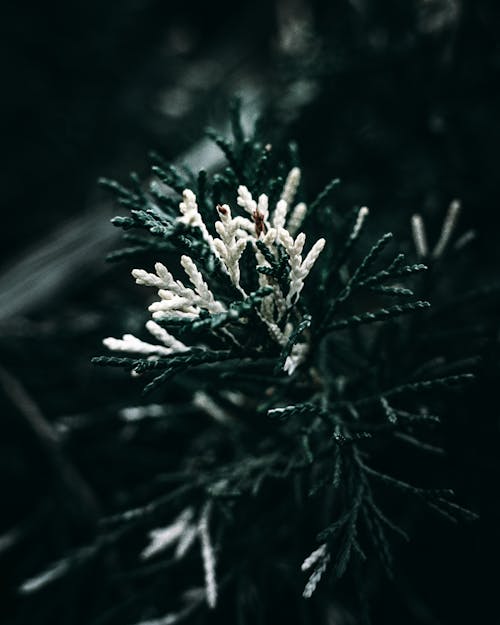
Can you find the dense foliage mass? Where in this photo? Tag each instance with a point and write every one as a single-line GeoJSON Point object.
{"type": "Point", "coordinates": [287, 380]}
{"type": "Point", "coordinates": [298, 414]}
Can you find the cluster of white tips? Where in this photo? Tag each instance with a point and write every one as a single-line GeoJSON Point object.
{"type": "Point", "coordinates": [182, 534]}
{"type": "Point", "coordinates": [129, 343]}
{"type": "Point", "coordinates": [231, 244]}
{"type": "Point", "coordinates": [174, 534]}
{"type": "Point", "coordinates": [273, 228]}
{"type": "Point", "coordinates": [447, 230]}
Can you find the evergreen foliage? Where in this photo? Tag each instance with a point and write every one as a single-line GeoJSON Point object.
{"type": "Point", "coordinates": [213, 491]}
{"type": "Point", "coordinates": [285, 398]}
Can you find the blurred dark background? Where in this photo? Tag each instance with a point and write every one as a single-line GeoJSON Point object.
{"type": "Point", "coordinates": [399, 98]}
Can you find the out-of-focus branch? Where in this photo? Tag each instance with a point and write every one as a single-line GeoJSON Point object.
{"type": "Point", "coordinates": [48, 440]}
{"type": "Point", "coordinates": [79, 246]}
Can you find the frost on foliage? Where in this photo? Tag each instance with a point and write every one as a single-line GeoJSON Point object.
{"type": "Point", "coordinates": [268, 234]}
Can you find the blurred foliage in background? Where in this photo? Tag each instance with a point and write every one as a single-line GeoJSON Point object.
{"type": "Point", "coordinates": [399, 99]}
